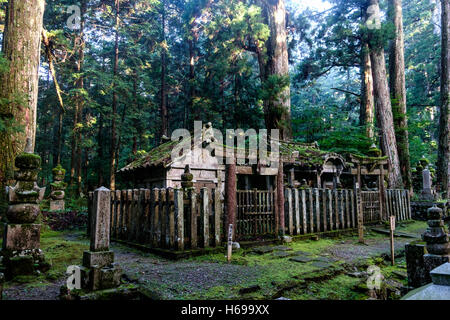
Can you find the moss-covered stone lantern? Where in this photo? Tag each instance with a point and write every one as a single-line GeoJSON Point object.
{"type": "Point", "coordinates": [58, 189]}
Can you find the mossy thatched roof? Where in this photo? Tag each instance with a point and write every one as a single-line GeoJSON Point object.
{"type": "Point", "coordinates": [302, 154]}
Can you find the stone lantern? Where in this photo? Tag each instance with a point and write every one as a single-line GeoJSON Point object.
{"type": "Point", "coordinates": [21, 243]}
{"type": "Point", "coordinates": [58, 186]}
{"type": "Point", "coordinates": [437, 241]}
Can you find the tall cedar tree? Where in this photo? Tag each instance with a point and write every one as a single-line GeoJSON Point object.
{"type": "Point", "coordinates": [19, 86]}
{"type": "Point", "coordinates": [397, 85]}
{"type": "Point", "coordinates": [383, 105]}
{"type": "Point", "coordinates": [443, 163]}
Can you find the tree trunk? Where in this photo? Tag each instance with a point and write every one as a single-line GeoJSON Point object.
{"type": "Point", "coordinates": [112, 175]}
{"type": "Point", "coordinates": [384, 109]}
{"type": "Point", "coordinates": [366, 115]}
{"type": "Point", "coordinates": [80, 98]}
{"type": "Point", "coordinates": [19, 86]}
{"type": "Point", "coordinates": [443, 163]}
{"type": "Point", "coordinates": [163, 107]}
{"type": "Point", "coordinates": [278, 107]}
{"type": "Point", "coordinates": [398, 90]}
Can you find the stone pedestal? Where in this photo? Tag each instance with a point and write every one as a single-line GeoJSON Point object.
{"type": "Point", "coordinates": [417, 272]}
{"type": "Point", "coordinates": [99, 271]}
{"type": "Point", "coordinates": [57, 205]}
{"type": "Point", "coordinates": [21, 254]}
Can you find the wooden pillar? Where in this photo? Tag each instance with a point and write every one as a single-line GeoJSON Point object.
{"type": "Point", "coordinates": [280, 199]}
{"type": "Point", "coordinates": [381, 193]}
{"type": "Point", "coordinates": [230, 197]}
{"type": "Point", "coordinates": [359, 209]}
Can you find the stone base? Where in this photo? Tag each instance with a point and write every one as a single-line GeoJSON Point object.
{"type": "Point", "coordinates": [19, 237]}
{"type": "Point", "coordinates": [417, 274]}
{"type": "Point", "coordinates": [123, 292]}
{"type": "Point", "coordinates": [432, 261]}
{"type": "Point", "coordinates": [100, 278]}
{"type": "Point", "coordinates": [57, 205]}
{"type": "Point", "coordinates": [97, 259]}
{"type": "Point", "coordinates": [27, 262]}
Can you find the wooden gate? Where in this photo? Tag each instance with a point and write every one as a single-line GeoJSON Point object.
{"type": "Point", "coordinates": [371, 206]}
{"type": "Point", "coordinates": [255, 213]}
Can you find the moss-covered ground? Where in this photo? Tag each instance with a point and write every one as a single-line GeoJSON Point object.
{"type": "Point", "coordinates": [332, 269]}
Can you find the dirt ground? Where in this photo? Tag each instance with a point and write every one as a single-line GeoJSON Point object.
{"type": "Point", "coordinates": [210, 277]}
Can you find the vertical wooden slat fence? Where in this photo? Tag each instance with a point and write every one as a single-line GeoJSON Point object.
{"type": "Point", "coordinates": [255, 214]}
{"type": "Point", "coordinates": [167, 218]}
{"type": "Point", "coordinates": [398, 203]}
{"type": "Point", "coordinates": [315, 210]}
{"type": "Point", "coordinates": [175, 219]}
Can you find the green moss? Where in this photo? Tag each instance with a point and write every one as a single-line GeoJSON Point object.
{"type": "Point", "coordinates": [28, 161]}
{"type": "Point", "coordinates": [58, 169]}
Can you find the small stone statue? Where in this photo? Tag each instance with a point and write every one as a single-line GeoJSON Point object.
{"type": "Point", "coordinates": [186, 178]}
{"type": "Point", "coordinates": [208, 133]}
{"type": "Point", "coordinates": [58, 186]}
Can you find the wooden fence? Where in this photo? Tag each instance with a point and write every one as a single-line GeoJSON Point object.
{"type": "Point", "coordinates": [255, 213]}
{"type": "Point", "coordinates": [177, 220]}
{"type": "Point", "coordinates": [398, 203]}
{"type": "Point", "coordinates": [309, 211]}
{"type": "Point", "coordinates": [319, 210]}
{"type": "Point", "coordinates": [167, 218]}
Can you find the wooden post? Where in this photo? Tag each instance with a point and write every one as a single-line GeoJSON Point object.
{"type": "Point", "coordinates": [359, 213]}
{"type": "Point", "coordinates": [290, 211]}
{"type": "Point", "coordinates": [217, 217]}
{"type": "Point", "coordinates": [280, 198]}
{"type": "Point", "coordinates": [193, 203]}
{"type": "Point", "coordinates": [204, 216]}
{"type": "Point", "coordinates": [381, 193]}
{"type": "Point", "coordinates": [230, 242]}
{"type": "Point", "coordinates": [230, 195]}
{"type": "Point", "coordinates": [179, 218]}
{"type": "Point", "coordinates": [392, 227]}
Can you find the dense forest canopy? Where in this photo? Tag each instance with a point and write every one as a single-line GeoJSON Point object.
{"type": "Point", "coordinates": [117, 75]}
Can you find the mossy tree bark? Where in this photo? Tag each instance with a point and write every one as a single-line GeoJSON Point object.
{"type": "Point", "coordinates": [443, 163]}
{"type": "Point", "coordinates": [275, 70]}
{"type": "Point", "coordinates": [19, 86]}
{"type": "Point", "coordinates": [383, 105]}
{"type": "Point", "coordinates": [398, 90]}
{"type": "Point", "coordinates": [113, 164]}
{"type": "Point", "coordinates": [367, 116]}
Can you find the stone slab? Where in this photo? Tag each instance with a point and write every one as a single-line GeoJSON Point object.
{"type": "Point", "coordinates": [99, 259]}
{"type": "Point", "coordinates": [262, 250]}
{"type": "Point", "coordinates": [429, 292]}
{"type": "Point", "coordinates": [281, 254]}
{"type": "Point", "coordinates": [301, 259]}
{"type": "Point", "coordinates": [321, 264]}
{"type": "Point", "coordinates": [19, 237]}
{"type": "Point", "coordinates": [441, 275]}
{"type": "Point", "coordinates": [282, 248]}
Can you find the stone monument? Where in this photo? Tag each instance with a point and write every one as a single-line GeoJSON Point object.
{"type": "Point", "coordinates": [99, 270]}
{"type": "Point", "coordinates": [58, 186]}
{"type": "Point", "coordinates": [427, 193]}
{"type": "Point", "coordinates": [21, 253]}
{"type": "Point", "coordinates": [437, 242]}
